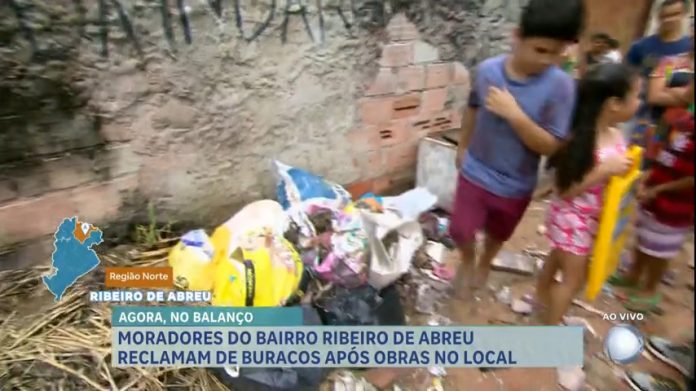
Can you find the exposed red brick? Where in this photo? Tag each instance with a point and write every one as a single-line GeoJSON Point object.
{"type": "Point", "coordinates": [364, 139]}
{"type": "Point", "coordinates": [395, 132]}
{"type": "Point", "coordinates": [421, 124]}
{"type": "Point", "coordinates": [424, 53]}
{"type": "Point", "coordinates": [438, 75]}
{"type": "Point", "coordinates": [385, 83]}
{"type": "Point", "coordinates": [411, 78]}
{"type": "Point", "coordinates": [401, 157]}
{"type": "Point", "coordinates": [434, 100]}
{"type": "Point", "coordinates": [460, 74]}
{"type": "Point", "coordinates": [439, 122]}
{"type": "Point", "coordinates": [396, 55]}
{"type": "Point", "coordinates": [370, 163]}
{"type": "Point", "coordinates": [410, 101]}
{"type": "Point", "coordinates": [400, 29]}
{"type": "Point", "coordinates": [406, 105]}
{"type": "Point", "coordinates": [374, 111]}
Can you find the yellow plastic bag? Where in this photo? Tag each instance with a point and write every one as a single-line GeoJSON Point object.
{"type": "Point", "coordinates": [257, 278]}
{"type": "Point", "coordinates": [254, 264]}
{"type": "Point", "coordinates": [192, 262]}
{"type": "Point", "coordinates": [618, 209]}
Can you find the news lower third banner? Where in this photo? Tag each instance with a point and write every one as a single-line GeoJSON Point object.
{"type": "Point", "coordinates": [276, 337]}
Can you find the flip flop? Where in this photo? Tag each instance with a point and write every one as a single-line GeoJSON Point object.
{"type": "Point", "coordinates": [620, 281]}
{"type": "Point", "coordinates": [643, 304]}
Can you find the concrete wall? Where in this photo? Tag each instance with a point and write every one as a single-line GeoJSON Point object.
{"type": "Point", "coordinates": [191, 123]}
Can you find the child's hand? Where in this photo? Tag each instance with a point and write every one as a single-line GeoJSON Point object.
{"type": "Point", "coordinates": [617, 165]}
{"type": "Point", "coordinates": [645, 194]}
{"type": "Point", "coordinates": [501, 102]}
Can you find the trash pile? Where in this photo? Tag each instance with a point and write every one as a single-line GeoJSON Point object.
{"type": "Point", "coordinates": [316, 247]}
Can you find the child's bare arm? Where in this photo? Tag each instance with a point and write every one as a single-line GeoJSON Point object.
{"type": "Point", "coordinates": [617, 165]}
{"type": "Point", "coordinates": [467, 128]}
{"type": "Point", "coordinates": [597, 175]}
{"type": "Point", "coordinates": [542, 140]}
{"type": "Point", "coordinates": [533, 136]}
{"type": "Point", "coordinates": [678, 185]}
{"type": "Point", "coordinates": [661, 95]}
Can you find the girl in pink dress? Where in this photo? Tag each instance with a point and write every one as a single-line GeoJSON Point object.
{"type": "Point", "coordinates": [608, 94]}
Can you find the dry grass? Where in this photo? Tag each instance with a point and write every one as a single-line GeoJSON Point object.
{"type": "Point", "coordinates": [66, 345]}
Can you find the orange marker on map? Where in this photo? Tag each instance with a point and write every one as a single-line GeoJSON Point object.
{"type": "Point", "coordinates": [82, 230]}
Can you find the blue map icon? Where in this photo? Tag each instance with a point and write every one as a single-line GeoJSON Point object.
{"type": "Point", "coordinates": [73, 256]}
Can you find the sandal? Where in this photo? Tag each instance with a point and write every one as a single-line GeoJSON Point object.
{"type": "Point", "coordinates": [643, 304]}
{"type": "Point", "coordinates": [620, 281]}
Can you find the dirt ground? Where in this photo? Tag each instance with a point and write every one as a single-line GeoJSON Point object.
{"type": "Point", "coordinates": [676, 323]}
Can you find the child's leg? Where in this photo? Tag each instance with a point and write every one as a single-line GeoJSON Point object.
{"type": "Point", "coordinates": [546, 278]}
{"type": "Point", "coordinates": [464, 278]}
{"type": "Point", "coordinates": [656, 268]}
{"type": "Point", "coordinates": [637, 269]}
{"type": "Point", "coordinates": [504, 214]}
{"type": "Point", "coordinates": [574, 268]}
{"type": "Point", "coordinates": [468, 217]}
{"type": "Point", "coordinates": [490, 249]}
{"type": "Point", "coordinates": [656, 245]}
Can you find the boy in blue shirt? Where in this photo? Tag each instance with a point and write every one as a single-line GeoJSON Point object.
{"type": "Point", "coordinates": [519, 109]}
{"type": "Point", "coordinates": [668, 44]}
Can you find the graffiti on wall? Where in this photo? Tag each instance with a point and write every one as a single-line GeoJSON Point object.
{"type": "Point", "coordinates": [367, 14]}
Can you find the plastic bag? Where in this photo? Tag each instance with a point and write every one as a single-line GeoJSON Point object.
{"type": "Point", "coordinates": [362, 306]}
{"type": "Point", "coordinates": [254, 264]}
{"type": "Point", "coordinates": [395, 235]}
{"type": "Point", "coordinates": [296, 185]}
{"type": "Point", "coordinates": [276, 379]}
{"type": "Point", "coordinates": [393, 242]}
{"type": "Point", "coordinates": [192, 261]}
{"type": "Point", "coordinates": [346, 263]}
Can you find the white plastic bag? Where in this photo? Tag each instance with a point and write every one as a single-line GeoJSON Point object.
{"type": "Point", "coordinates": [401, 214]}
{"type": "Point", "coordinates": [388, 264]}
{"type": "Point", "coordinates": [411, 204]}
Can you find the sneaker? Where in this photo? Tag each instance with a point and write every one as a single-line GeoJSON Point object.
{"type": "Point", "coordinates": [679, 357]}
{"type": "Point", "coordinates": [641, 381]}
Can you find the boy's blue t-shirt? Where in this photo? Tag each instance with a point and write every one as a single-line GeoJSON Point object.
{"type": "Point", "coordinates": [646, 53]}
{"type": "Point", "coordinates": [497, 159]}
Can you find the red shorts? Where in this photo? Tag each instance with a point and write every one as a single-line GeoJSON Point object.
{"type": "Point", "coordinates": [477, 209]}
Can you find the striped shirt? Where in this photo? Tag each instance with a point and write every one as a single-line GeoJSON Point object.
{"type": "Point", "coordinates": [675, 161]}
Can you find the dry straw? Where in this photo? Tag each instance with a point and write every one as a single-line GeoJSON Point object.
{"type": "Point", "coordinates": [66, 345]}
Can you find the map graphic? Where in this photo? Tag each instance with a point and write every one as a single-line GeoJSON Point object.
{"type": "Point", "coordinates": [73, 256]}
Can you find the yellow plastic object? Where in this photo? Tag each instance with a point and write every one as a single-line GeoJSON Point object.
{"type": "Point", "coordinates": [192, 268]}
{"type": "Point", "coordinates": [617, 211]}
{"type": "Point", "coordinates": [264, 272]}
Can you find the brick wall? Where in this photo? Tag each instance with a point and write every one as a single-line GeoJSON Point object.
{"type": "Point", "coordinates": [193, 130]}
{"type": "Point", "coordinates": [413, 95]}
